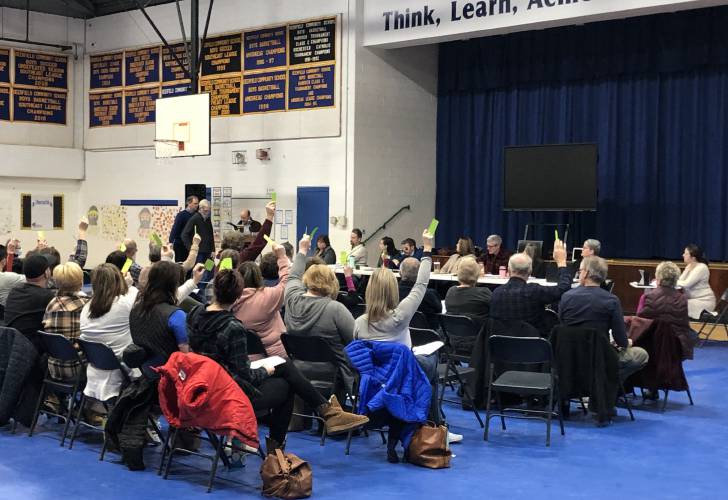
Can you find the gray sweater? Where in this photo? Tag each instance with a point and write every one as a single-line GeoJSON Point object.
{"type": "Point", "coordinates": [395, 327]}
{"type": "Point", "coordinates": [320, 316]}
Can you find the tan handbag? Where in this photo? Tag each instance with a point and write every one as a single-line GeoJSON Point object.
{"type": "Point", "coordinates": [286, 476]}
{"type": "Point", "coordinates": [429, 447]}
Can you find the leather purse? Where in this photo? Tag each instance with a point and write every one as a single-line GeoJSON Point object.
{"type": "Point", "coordinates": [429, 447]}
{"type": "Point", "coordinates": [286, 476]}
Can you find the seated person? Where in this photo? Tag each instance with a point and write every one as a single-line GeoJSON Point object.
{"type": "Point", "coordinates": [387, 252]}
{"type": "Point", "coordinates": [324, 250]}
{"type": "Point", "coordinates": [519, 300]}
{"type": "Point", "coordinates": [131, 252]}
{"type": "Point", "coordinates": [670, 305]}
{"type": "Point", "coordinates": [27, 302]}
{"type": "Point", "coordinates": [232, 240]}
{"type": "Point", "coordinates": [351, 297]}
{"type": "Point", "coordinates": [387, 319]}
{"type": "Point", "coordinates": [409, 249]}
{"type": "Point", "coordinates": [312, 309]}
{"type": "Point", "coordinates": [538, 268]}
{"type": "Point", "coordinates": [496, 256]}
{"type": "Point", "coordinates": [695, 282]}
{"type": "Point", "coordinates": [63, 316]}
{"type": "Point", "coordinates": [591, 247]}
{"type": "Point", "coordinates": [468, 299]}
{"type": "Point", "coordinates": [430, 304]}
{"type": "Point", "coordinates": [591, 306]}
{"type": "Point", "coordinates": [269, 268]}
{"type": "Point", "coordinates": [358, 250]}
{"type": "Point", "coordinates": [105, 319]}
{"type": "Point", "coordinates": [464, 248]}
{"type": "Point", "coordinates": [8, 279]}
{"type": "Point", "coordinates": [156, 323]}
{"type": "Point", "coordinates": [259, 307]}
{"type": "Point", "coordinates": [215, 332]}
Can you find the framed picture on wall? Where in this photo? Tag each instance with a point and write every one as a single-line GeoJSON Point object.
{"type": "Point", "coordinates": [41, 212]}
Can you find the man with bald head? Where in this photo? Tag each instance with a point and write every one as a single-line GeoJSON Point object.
{"type": "Point", "coordinates": [246, 224]}
{"type": "Point", "coordinates": [520, 300]}
{"type": "Point", "coordinates": [408, 270]}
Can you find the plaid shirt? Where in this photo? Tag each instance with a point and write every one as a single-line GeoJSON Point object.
{"type": "Point", "coordinates": [518, 300]}
{"type": "Point", "coordinates": [63, 316]}
{"type": "Point", "coordinates": [79, 257]}
{"type": "Point", "coordinates": [135, 271]}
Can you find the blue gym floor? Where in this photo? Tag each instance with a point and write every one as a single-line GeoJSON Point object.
{"type": "Point", "coordinates": [679, 454]}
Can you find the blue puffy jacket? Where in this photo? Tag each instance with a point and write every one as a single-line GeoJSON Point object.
{"type": "Point", "coordinates": [392, 380]}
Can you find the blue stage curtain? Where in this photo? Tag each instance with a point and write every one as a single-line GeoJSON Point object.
{"type": "Point", "coordinates": [652, 93]}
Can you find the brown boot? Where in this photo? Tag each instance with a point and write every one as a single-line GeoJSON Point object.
{"type": "Point", "coordinates": [271, 445]}
{"type": "Point", "coordinates": [337, 420]}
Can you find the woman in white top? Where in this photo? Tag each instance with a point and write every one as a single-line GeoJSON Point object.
{"type": "Point", "coordinates": [105, 319]}
{"type": "Point", "coordinates": [695, 281]}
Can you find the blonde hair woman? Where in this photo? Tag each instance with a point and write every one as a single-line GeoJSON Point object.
{"type": "Point", "coordinates": [312, 309]}
{"type": "Point", "coordinates": [63, 315]}
{"type": "Point", "coordinates": [387, 320]}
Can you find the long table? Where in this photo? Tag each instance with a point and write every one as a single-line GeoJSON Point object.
{"type": "Point", "coordinates": [488, 279]}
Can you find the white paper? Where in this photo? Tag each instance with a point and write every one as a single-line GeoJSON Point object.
{"type": "Point", "coordinates": [284, 232]}
{"type": "Point", "coordinates": [41, 212]}
{"type": "Point", "coordinates": [279, 216]}
{"type": "Point", "coordinates": [289, 216]}
{"type": "Point", "coordinates": [270, 362]}
{"type": "Point", "coordinates": [427, 349]}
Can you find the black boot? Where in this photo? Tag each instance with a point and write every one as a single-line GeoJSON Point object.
{"type": "Point", "coordinates": [133, 458]}
{"type": "Point", "coordinates": [271, 445]}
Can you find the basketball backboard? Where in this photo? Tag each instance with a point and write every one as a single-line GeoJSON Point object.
{"type": "Point", "coordinates": [183, 126]}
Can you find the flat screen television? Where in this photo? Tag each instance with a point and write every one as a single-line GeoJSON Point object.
{"type": "Point", "coordinates": [550, 177]}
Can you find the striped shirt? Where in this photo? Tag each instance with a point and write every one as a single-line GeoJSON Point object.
{"type": "Point", "coordinates": [63, 316]}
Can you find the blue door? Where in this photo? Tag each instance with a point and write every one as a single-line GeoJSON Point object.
{"type": "Point", "coordinates": [312, 211]}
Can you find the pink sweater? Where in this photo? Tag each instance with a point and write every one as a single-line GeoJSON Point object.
{"type": "Point", "coordinates": [260, 311]}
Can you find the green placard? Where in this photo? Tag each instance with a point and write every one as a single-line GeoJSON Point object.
{"type": "Point", "coordinates": [273, 197]}
{"type": "Point", "coordinates": [343, 256]}
{"type": "Point", "coordinates": [127, 266]}
{"type": "Point", "coordinates": [313, 232]}
{"type": "Point", "coordinates": [433, 227]}
{"type": "Point", "coordinates": [556, 235]}
{"type": "Point", "coordinates": [226, 263]}
{"type": "Point", "coordinates": [209, 265]}
{"type": "Point", "coordinates": [156, 239]}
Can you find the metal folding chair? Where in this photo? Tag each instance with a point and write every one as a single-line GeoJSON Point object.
{"type": "Point", "coordinates": [59, 347]}
{"type": "Point", "coordinates": [523, 351]}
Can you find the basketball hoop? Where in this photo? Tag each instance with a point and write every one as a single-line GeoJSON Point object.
{"type": "Point", "coordinates": [168, 148]}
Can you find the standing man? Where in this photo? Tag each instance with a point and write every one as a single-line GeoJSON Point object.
{"type": "Point", "coordinates": [496, 256]}
{"type": "Point", "coordinates": [200, 224]}
{"type": "Point", "coordinates": [175, 236]}
{"type": "Point", "coordinates": [358, 250]}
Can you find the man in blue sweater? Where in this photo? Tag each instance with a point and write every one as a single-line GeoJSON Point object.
{"type": "Point", "coordinates": [175, 235]}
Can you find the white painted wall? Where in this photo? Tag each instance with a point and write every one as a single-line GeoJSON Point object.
{"type": "Point", "coordinates": [394, 141]}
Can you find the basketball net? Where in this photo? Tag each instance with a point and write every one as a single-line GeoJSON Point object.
{"type": "Point", "coordinates": [166, 149]}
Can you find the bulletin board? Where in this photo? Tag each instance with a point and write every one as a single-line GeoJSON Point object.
{"type": "Point", "coordinates": [41, 212]}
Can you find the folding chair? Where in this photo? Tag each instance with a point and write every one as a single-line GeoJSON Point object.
{"type": "Point", "coordinates": [419, 320]}
{"type": "Point", "coordinates": [59, 347]}
{"type": "Point", "coordinates": [218, 444]}
{"type": "Point", "coordinates": [358, 310]}
{"type": "Point", "coordinates": [523, 351]}
{"type": "Point", "coordinates": [720, 319]}
{"type": "Point", "coordinates": [316, 350]}
{"type": "Point", "coordinates": [100, 357]}
{"type": "Point", "coordinates": [254, 344]}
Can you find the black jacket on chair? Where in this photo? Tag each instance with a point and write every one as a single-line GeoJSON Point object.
{"type": "Point", "coordinates": [587, 365]}
{"type": "Point", "coordinates": [20, 377]}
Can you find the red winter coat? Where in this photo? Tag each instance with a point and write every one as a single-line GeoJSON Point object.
{"type": "Point", "coordinates": [195, 391]}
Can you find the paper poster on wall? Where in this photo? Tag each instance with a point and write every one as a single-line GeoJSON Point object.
{"type": "Point", "coordinates": [145, 223]}
{"type": "Point", "coordinates": [41, 208]}
{"type": "Point", "coordinates": [289, 216]}
{"type": "Point", "coordinates": [284, 233]}
{"type": "Point", "coordinates": [279, 216]}
{"type": "Point", "coordinates": [163, 219]}
{"type": "Point", "coordinates": [113, 222]}
{"type": "Point", "coordinates": [92, 214]}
